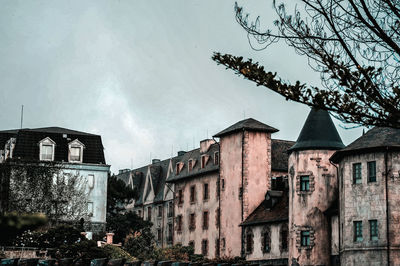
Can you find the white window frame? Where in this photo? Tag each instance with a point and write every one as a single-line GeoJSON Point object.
{"type": "Point", "coordinates": [91, 180]}
{"type": "Point", "coordinates": [47, 142]}
{"type": "Point", "coordinates": [75, 144]}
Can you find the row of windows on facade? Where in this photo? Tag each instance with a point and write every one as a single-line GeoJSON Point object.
{"type": "Point", "coordinates": [203, 162]}
{"type": "Point", "coordinates": [357, 172]}
{"type": "Point", "coordinates": [206, 194]}
{"type": "Point", "coordinates": [357, 175]}
{"type": "Point", "coordinates": [192, 221]}
{"type": "Point", "coordinates": [266, 240]}
{"type": "Point", "coordinates": [159, 211]}
{"type": "Point", "coordinates": [358, 230]}
{"type": "Point", "coordinates": [47, 150]}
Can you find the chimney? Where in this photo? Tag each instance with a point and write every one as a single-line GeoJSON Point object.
{"type": "Point", "coordinates": [155, 161]}
{"type": "Point", "coordinates": [205, 145]}
{"type": "Point", "coordinates": [109, 238]}
{"type": "Point", "coordinates": [180, 153]}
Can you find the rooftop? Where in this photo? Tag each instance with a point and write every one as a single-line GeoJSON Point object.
{"type": "Point", "coordinates": [249, 124]}
{"type": "Point", "coordinates": [318, 132]}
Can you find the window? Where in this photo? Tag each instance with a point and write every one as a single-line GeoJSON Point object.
{"type": "Point", "coordinates": [284, 238]}
{"type": "Point", "coordinates": [46, 153]}
{"type": "Point", "coordinates": [169, 237]}
{"type": "Point", "coordinates": [139, 213]}
{"type": "Point", "coordinates": [179, 223]}
{"type": "Point", "coordinates": [216, 158]}
{"type": "Point", "coordinates": [371, 171]}
{"type": "Point", "coordinates": [358, 236]}
{"type": "Point", "coordinates": [217, 217]}
{"type": "Point", "coordinates": [203, 161]}
{"type": "Point", "coordinates": [204, 247]}
{"type": "Point", "coordinates": [222, 184]}
{"type": "Point", "coordinates": [75, 151]}
{"type": "Point", "coordinates": [249, 242]}
{"type": "Point", "coordinates": [217, 247]}
{"type": "Point", "coordinates": [223, 243]}
{"type": "Point", "coordinates": [90, 208]}
{"type": "Point", "coordinates": [191, 244]}
{"type": "Point", "coordinates": [266, 242]}
{"type": "Point", "coordinates": [190, 165]}
{"type": "Point", "coordinates": [305, 183]}
{"type": "Point", "coordinates": [305, 238]}
{"type": "Point", "coordinates": [180, 196]}
{"type": "Point", "coordinates": [170, 209]}
{"type": "Point", "coordinates": [192, 221]}
{"type": "Point", "coordinates": [160, 209]}
{"type": "Point", "coordinates": [75, 155]}
{"type": "Point", "coordinates": [205, 192]}
{"type": "Point", "coordinates": [148, 213]}
{"type": "Point", "coordinates": [373, 229]}
{"type": "Point", "coordinates": [177, 168]}
{"type": "Point", "coordinates": [357, 173]}
{"type": "Point", "coordinates": [205, 220]}
{"type": "Point", "coordinates": [192, 194]}
{"type": "Point", "coordinates": [158, 235]}
{"type": "Point", "coordinates": [91, 181]}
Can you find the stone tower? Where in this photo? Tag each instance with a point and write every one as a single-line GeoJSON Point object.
{"type": "Point", "coordinates": [312, 189]}
{"type": "Point", "coordinates": [245, 177]}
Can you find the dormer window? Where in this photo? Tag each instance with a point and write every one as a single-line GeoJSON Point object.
{"type": "Point", "coordinates": [177, 168]}
{"type": "Point", "coordinates": [75, 151]}
{"type": "Point", "coordinates": [203, 161]}
{"type": "Point", "coordinates": [46, 149]}
{"type": "Point", "coordinates": [190, 165]}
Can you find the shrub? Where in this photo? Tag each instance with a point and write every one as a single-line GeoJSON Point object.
{"type": "Point", "coordinates": [140, 244]}
{"type": "Point", "coordinates": [114, 252]}
{"type": "Point", "coordinates": [85, 250]}
{"type": "Point", "coordinates": [175, 253]}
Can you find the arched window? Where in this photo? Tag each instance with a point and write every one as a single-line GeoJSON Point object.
{"type": "Point", "coordinates": [249, 241]}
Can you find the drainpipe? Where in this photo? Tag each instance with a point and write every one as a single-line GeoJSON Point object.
{"type": "Point", "coordinates": [242, 209]}
{"type": "Point", "coordinates": [338, 186]}
{"type": "Point", "coordinates": [387, 206]}
{"type": "Point", "coordinates": [219, 197]}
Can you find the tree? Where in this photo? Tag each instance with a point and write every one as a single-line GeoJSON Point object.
{"type": "Point", "coordinates": [120, 221]}
{"type": "Point", "coordinates": [353, 44]}
{"type": "Point", "coordinates": [46, 188]}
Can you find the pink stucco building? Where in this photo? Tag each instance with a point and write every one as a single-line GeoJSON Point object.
{"type": "Point", "coordinates": [277, 202]}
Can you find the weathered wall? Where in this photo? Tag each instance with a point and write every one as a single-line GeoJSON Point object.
{"type": "Point", "coordinates": [245, 187]}
{"type": "Point", "coordinates": [335, 235]}
{"type": "Point", "coordinates": [306, 208]}
{"type": "Point", "coordinates": [97, 194]}
{"type": "Point", "coordinates": [367, 201]}
{"type": "Point", "coordinates": [198, 207]}
{"type": "Point", "coordinates": [276, 251]}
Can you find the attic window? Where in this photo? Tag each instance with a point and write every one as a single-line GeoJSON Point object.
{"type": "Point", "coordinates": [177, 168]}
{"type": "Point", "coordinates": [47, 147]}
{"type": "Point", "coordinates": [203, 161]}
{"type": "Point", "coordinates": [216, 158]}
{"type": "Point", "coordinates": [75, 151]}
{"type": "Point", "coordinates": [190, 165]}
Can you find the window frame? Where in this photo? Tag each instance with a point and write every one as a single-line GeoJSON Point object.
{"type": "Point", "coordinates": [75, 144]}
{"type": "Point", "coordinates": [357, 173]}
{"type": "Point", "coordinates": [358, 231]}
{"type": "Point", "coordinates": [206, 191]}
{"type": "Point", "coordinates": [304, 183]}
{"type": "Point", "coordinates": [193, 194]}
{"type": "Point", "coordinates": [371, 178]}
{"type": "Point", "coordinates": [373, 230]}
{"type": "Point", "coordinates": [47, 142]}
{"type": "Point", "coordinates": [305, 238]}
{"type": "Point", "coordinates": [216, 158]}
{"type": "Point", "coordinates": [206, 217]}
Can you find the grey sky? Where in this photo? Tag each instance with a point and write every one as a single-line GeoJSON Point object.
{"type": "Point", "coordinates": [139, 73]}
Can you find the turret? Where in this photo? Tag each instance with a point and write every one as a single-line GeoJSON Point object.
{"type": "Point", "coordinates": [312, 190]}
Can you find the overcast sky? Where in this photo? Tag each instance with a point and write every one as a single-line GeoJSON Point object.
{"type": "Point", "coordinates": [140, 74]}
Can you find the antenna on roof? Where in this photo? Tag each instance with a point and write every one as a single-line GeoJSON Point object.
{"type": "Point", "coordinates": [22, 115]}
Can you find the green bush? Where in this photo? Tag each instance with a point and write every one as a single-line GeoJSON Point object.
{"type": "Point", "coordinates": [85, 250]}
{"type": "Point", "coordinates": [141, 244]}
{"type": "Point", "coordinates": [175, 253]}
{"type": "Point", "coordinates": [114, 252]}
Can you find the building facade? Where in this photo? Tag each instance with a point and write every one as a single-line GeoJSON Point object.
{"type": "Point", "coordinates": [277, 202]}
{"type": "Point", "coordinates": [74, 152]}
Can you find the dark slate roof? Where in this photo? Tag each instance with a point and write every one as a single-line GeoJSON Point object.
{"type": "Point", "coordinates": [268, 212]}
{"type": "Point", "coordinates": [376, 139]}
{"type": "Point", "coordinates": [197, 170]}
{"type": "Point", "coordinates": [27, 147]}
{"type": "Point", "coordinates": [249, 124]}
{"type": "Point", "coordinates": [279, 154]}
{"type": "Point", "coordinates": [318, 132]}
{"type": "Point", "coordinates": [138, 178]}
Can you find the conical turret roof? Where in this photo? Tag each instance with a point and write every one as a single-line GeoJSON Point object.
{"type": "Point", "coordinates": [318, 133]}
